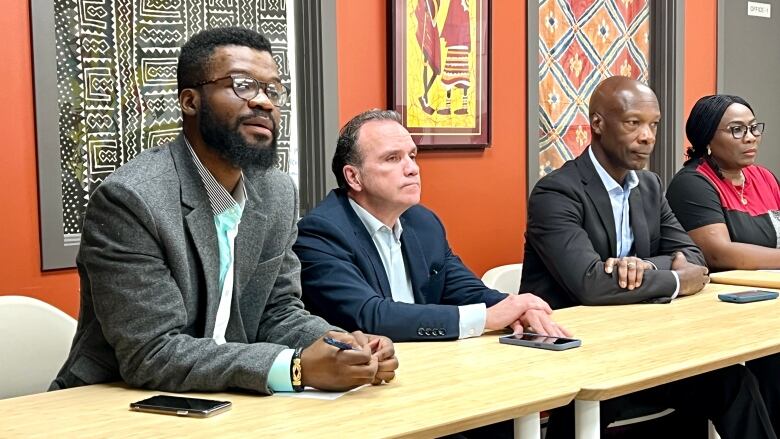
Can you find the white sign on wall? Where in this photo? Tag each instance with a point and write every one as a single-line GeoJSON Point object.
{"type": "Point", "coordinates": [756, 9]}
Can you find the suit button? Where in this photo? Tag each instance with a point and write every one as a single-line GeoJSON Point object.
{"type": "Point", "coordinates": [440, 332]}
{"type": "Point", "coordinates": [420, 331]}
{"type": "Point", "coordinates": [443, 331]}
{"type": "Point", "coordinates": [428, 331]}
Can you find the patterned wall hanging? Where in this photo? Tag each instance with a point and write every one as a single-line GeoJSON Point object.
{"type": "Point", "coordinates": [116, 94]}
{"type": "Point", "coordinates": [581, 43]}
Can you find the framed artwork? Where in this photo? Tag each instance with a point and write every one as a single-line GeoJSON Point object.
{"type": "Point", "coordinates": [581, 43]}
{"type": "Point", "coordinates": [105, 90]}
{"type": "Point", "coordinates": [574, 45]}
{"type": "Point", "coordinates": [440, 71]}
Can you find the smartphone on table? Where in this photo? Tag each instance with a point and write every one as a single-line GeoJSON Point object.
{"type": "Point", "coordinates": [181, 406]}
{"type": "Point", "coordinates": [532, 340]}
{"type": "Point", "coordinates": [748, 296]}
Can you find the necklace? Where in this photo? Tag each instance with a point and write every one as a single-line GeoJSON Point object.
{"type": "Point", "coordinates": [741, 191]}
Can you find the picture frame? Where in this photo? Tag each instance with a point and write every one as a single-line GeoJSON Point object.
{"type": "Point", "coordinates": [440, 71]}
{"type": "Point", "coordinates": [560, 71]}
{"type": "Point", "coordinates": [105, 90]}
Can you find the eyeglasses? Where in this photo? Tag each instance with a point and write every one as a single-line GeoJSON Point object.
{"type": "Point", "coordinates": [739, 131]}
{"type": "Point", "coordinates": [247, 88]}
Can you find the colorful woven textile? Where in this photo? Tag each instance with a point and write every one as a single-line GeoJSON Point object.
{"type": "Point", "coordinates": [581, 43]}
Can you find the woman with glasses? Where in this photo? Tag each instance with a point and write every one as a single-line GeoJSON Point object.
{"type": "Point", "coordinates": [729, 205]}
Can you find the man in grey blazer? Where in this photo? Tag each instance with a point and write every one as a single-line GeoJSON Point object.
{"type": "Point", "coordinates": [188, 278]}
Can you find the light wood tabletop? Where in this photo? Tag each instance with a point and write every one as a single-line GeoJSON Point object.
{"type": "Point", "coordinates": [634, 347]}
{"type": "Point", "coordinates": [441, 388]}
{"type": "Point", "coordinates": [761, 279]}
{"type": "Point", "coordinates": [447, 387]}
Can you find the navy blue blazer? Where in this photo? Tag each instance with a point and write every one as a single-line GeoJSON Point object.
{"type": "Point", "coordinates": [344, 281]}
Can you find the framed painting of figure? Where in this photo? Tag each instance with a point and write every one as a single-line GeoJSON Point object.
{"type": "Point", "coordinates": [440, 71]}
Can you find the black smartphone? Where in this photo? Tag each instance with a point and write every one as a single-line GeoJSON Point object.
{"type": "Point", "coordinates": [541, 341]}
{"type": "Point", "coordinates": [748, 296]}
{"type": "Point", "coordinates": [181, 406]}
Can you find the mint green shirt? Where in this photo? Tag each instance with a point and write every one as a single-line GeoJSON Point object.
{"type": "Point", "coordinates": [227, 209]}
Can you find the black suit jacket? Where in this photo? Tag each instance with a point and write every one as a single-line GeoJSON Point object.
{"type": "Point", "coordinates": [344, 281]}
{"type": "Point", "coordinates": [571, 233]}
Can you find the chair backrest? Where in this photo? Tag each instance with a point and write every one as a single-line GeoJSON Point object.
{"type": "Point", "coordinates": [35, 339]}
{"type": "Point", "coordinates": [504, 278]}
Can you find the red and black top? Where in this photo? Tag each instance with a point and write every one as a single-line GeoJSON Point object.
{"type": "Point", "coordinates": [751, 213]}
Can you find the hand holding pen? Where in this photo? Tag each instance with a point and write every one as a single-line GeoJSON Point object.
{"type": "Point", "coordinates": [339, 369]}
{"type": "Point", "coordinates": [382, 351]}
{"type": "Point", "coordinates": [342, 346]}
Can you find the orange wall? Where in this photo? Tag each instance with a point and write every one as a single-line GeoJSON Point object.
{"type": "Point", "coordinates": [19, 242]}
{"type": "Point", "coordinates": [701, 44]}
{"type": "Point", "coordinates": [479, 195]}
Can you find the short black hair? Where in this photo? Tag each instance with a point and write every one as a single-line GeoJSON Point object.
{"type": "Point", "coordinates": [194, 59]}
{"type": "Point", "coordinates": [347, 152]}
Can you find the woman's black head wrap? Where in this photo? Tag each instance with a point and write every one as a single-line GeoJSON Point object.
{"type": "Point", "coordinates": [704, 120]}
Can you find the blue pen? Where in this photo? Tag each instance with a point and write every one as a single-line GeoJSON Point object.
{"type": "Point", "coordinates": [339, 344]}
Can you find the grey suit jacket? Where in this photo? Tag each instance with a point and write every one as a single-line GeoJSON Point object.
{"type": "Point", "coordinates": [149, 268]}
{"type": "Point", "coordinates": [571, 233]}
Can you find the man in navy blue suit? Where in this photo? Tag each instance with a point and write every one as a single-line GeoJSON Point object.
{"type": "Point", "coordinates": [373, 259]}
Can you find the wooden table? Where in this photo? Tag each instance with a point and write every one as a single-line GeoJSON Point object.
{"type": "Point", "coordinates": [761, 279]}
{"type": "Point", "coordinates": [447, 387]}
{"type": "Point", "coordinates": [630, 348]}
{"type": "Point", "coordinates": [441, 388]}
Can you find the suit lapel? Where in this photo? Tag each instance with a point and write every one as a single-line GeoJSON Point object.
{"type": "Point", "coordinates": [367, 247]}
{"type": "Point", "coordinates": [594, 187]}
{"type": "Point", "coordinates": [415, 262]}
{"type": "Point", "coordinates": [248, 249]}
{"type": "Point", "coordinates": [639, 223]}
{"type": "Point", "coordinates": [200, 226]}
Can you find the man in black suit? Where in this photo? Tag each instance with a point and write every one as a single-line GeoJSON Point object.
{"type": "Point", "coordinates": [583, 206]}
{"type": "Point", "coordinates": [600, 232]}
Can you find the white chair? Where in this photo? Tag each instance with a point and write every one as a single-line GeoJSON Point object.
{"type": "Point", "coordinates": [504, 278]}
{"type": "Point", "coordinates": [35, 338]}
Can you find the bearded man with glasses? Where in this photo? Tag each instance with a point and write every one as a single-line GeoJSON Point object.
{"type": "Point", "coordinates": [188, 278]}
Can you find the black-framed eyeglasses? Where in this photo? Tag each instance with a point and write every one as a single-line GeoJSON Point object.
{"type": "Point", "coordinates": [247, 88]}
{"type": "Point", "coordinates": [739, 131]}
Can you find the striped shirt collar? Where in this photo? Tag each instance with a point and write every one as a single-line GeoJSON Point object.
{"type": "Point", "coordinates": [220, 199]}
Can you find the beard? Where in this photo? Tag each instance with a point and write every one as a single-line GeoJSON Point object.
{"type": "Point", "coordinates": [231, 145]}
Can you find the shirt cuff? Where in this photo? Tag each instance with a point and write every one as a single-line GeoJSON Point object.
{"type": "Point", "coordinates": [279, 375]}
{"type": "Point", "coordinates": [472, 320]}
{"type": "Point", "coordinates": [677, 282]}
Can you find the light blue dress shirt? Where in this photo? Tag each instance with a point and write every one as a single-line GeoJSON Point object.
{"type": "Point", "coordinates": [472, 317]}
{"type": "Point", "coordinates": [618, 197]}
